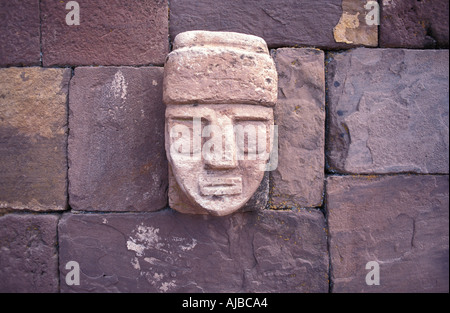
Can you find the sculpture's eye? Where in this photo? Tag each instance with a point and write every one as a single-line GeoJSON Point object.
{"type": "Point", "coordinates": [251, 137]}
{"type": "Point", "coordinates": [186, 135]}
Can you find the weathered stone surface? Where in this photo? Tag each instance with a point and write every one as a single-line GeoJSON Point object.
{"type": "Point", "coordinates": [388, 111]}
{"type": "Point", "coordinates": [110, 33]}
{"type": "Point", "coordinates": [19, 32]}
{"type": "Point", "coordinates": [33, 138]}
{"type": "Point", "coordinates": [28, 254]}
{"type": "Point", "coordinates": [116, 151]}
{"type": "Point", "coordinates": [168, 251]}
{"type": "Point", "coordinates": [401, 222]}
{"type": "Point", "coordinates": [357, 24]}
{"type": "Point", "coordinates": [288, 23]}
{"type": "Point", "coordinates": [219, 67]}
{"type": "Point", "coordinates": [219, 88]}
{"type": "Point", "coordinates": [300, 115]}
{"type": "Point", "coordinates": [414, 24]}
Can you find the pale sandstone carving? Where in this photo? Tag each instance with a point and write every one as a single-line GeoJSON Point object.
{"type": "Point", "coordinates": [219, 91]}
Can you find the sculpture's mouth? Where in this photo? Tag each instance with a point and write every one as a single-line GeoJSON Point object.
{"type": "Point", "coordinates": [220, 186]}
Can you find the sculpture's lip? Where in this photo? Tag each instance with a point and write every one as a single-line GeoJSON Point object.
{"type": "Point", "coordinates": [220, 186]}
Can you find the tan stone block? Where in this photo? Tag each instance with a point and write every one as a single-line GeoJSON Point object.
{"type": "Point", "coordinates": [33, 138]}
{"type": "Point", "coordinates": [357, 24]}
{"type": "Point", "coordinates": [300, 115]}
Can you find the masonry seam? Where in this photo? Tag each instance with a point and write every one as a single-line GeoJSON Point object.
{"type": "Point", "coordinates": [384, 174]}
{"type": "Point", "coordinates": [328, 234]}
{"type": "Point", "coordinates": [41, 61]}
{"type": "Point", "coordinates": [72, 73]}
{"type": "Point", "coordinates": [57, 253]}
{"type": "Point", "coordinates": [324, 197]}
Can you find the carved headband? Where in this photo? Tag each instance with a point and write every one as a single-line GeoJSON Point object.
{"type": "Point", "coordinates": [219, 68]}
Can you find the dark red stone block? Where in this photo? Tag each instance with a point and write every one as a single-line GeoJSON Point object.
{"type": "Point", "coordinates": [168, 251]}
{"type": "Point", "coordinates": [117, 160]}
{"type": "Point", "coordinates": [388, 111]}
{"type": "Point", "coordinates": [109, 33]}
{"type": "Point", "coordinates": [28, 253]}
{"type": "Point", "coordinates": [284, 23]}
{"type": "Point", "coordinates": [401, 222]}
{"type": "Point", "coordinates": [19, 32]}
{"type": "Point", "coordinates": [414, 23]}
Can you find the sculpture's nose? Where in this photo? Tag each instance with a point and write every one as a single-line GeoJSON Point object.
{"type": "Point", "coordinates": [221, 164]}
{"type": "Point", "coordinates": [223, 156]}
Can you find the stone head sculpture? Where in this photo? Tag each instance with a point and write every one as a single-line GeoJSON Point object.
{"type": "Point", "coordinates": [219, 91]}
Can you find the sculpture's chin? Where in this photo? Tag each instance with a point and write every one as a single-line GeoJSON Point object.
{"type": "Point", "coordinates": [220, 210]}
{"type": "Point", "coordinates": [220, 205]}
{"type": "Point", "coordinates": [219, 201]}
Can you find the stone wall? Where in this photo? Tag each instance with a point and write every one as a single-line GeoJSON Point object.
{"type": "Point", "coordinates": [363, 116]}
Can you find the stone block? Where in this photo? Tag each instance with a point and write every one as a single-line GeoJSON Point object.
{"type": "Point", "coordinates": [300, 115]}
{"type": "Point", "coordinates": [168, 251]}
{"type": "Point", "coordinates": [117, 160]}
{"type": "Point", "coordinates": [33, 138]}
{"type": "Point", "coordinates": [401, 222]}
{"type": "Point", "coordinates": [109, 33]}
{"type": "Point", "coordinates": [388, 111]}
{"type": "Point", "coordinates": [414, 24]}
{"type": "Point", "coordinates": [28, 253]}
{"type": "Point", "coordinates": [19, 32]}
{"type": "Point", "coordinates": [288, 23]}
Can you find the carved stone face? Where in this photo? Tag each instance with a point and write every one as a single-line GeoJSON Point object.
{"type": "Point", "coordinates": [219, 90]}
{"type": "Point", "coordinates": [218, 153]}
